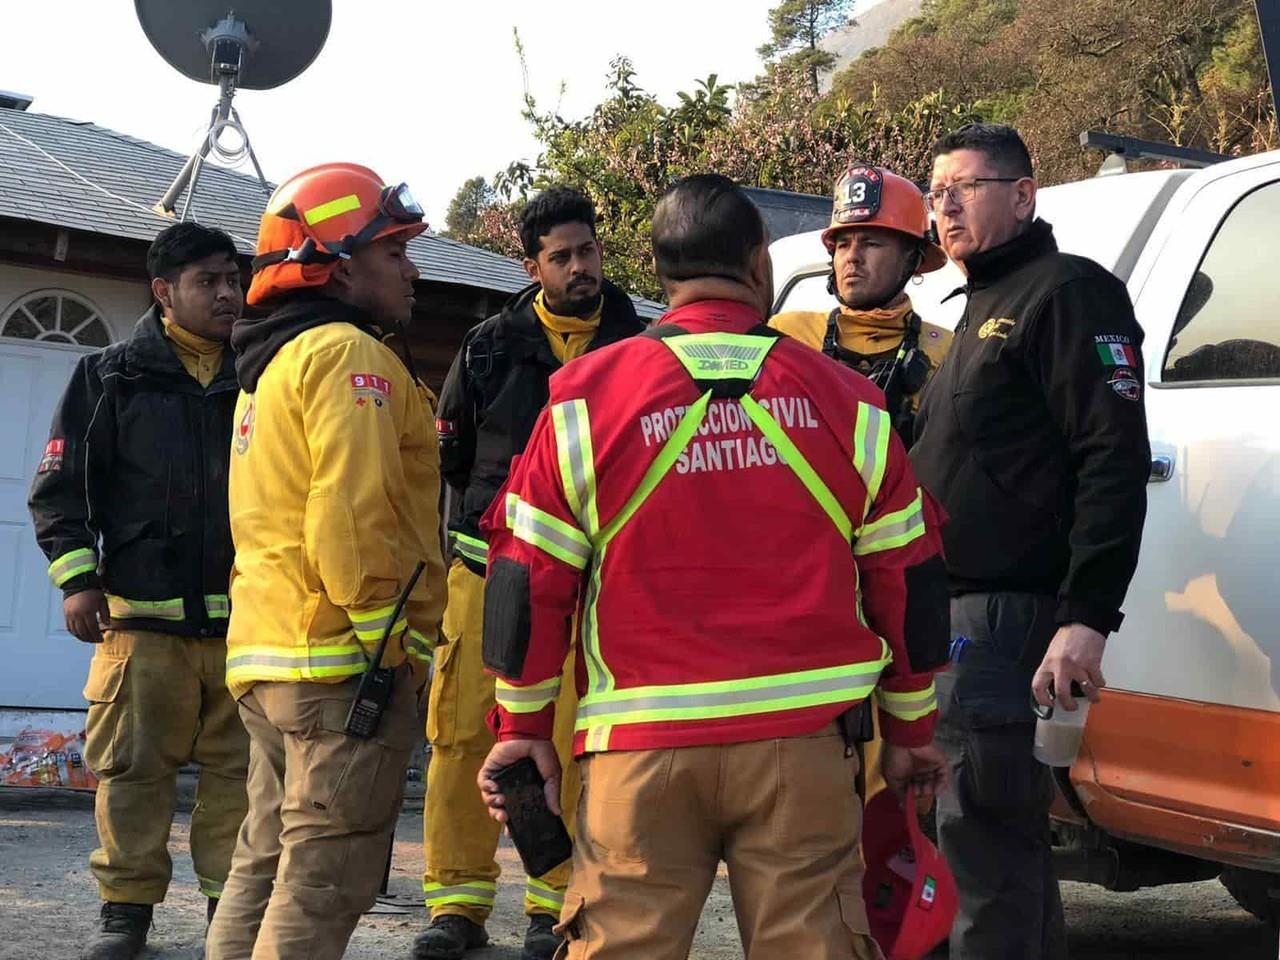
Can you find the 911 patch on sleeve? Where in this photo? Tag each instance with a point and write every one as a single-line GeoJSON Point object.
{"type": "Point", "coordinates": [446, 428]}
{"type": "Point", "coordinates": [52, 457]}
{"type": "Point", "coordinates": [370, 388]}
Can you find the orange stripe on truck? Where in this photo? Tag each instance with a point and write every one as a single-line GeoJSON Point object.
{"type": "Point", "coordinates": [1199, 778]}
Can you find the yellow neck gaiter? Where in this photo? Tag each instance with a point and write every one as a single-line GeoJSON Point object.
{"type": "Point", "coordinates": [873, 331]}
{"type": "Point", "coordinates": [569, 336]}
{"type": "Point", "coordinates": [200, 357]}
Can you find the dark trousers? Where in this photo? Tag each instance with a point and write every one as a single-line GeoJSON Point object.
{"type": "Point", "coordinates": [993, 825]}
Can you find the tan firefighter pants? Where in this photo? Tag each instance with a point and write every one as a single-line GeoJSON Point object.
{"type": "Point", "coordinates": [157, 702]}
{"type": "Point", "coordinates": [654, 826]}
{"type": "Point", "coordinates": [322, 808]}
{"type": "Point", "coordinates": [459, 838]}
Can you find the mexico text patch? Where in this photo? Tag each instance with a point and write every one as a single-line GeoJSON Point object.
{"type": "Point", "coordinates": [1116, 350]}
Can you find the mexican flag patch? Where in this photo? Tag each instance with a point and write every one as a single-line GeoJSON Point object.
{"type": "Point", "coordinates": [1117, 354]}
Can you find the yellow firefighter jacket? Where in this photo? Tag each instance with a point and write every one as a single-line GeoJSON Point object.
{"type": "Point", "coordinates": [335, 478]}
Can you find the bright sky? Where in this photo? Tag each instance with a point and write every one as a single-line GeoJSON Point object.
{"type": "Point", "coordinates": [422, 91]}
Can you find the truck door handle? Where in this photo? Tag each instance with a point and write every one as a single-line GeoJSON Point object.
{"type": "Point", "coordinates": [1161, 469]}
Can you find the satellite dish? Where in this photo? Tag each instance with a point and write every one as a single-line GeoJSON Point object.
{"type": "Point", "coordinates": [278, 39]}
{"type": "Point", "coordinates": [254, 44]}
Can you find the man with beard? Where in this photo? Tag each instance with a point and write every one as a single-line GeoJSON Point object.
{"type": "Point", "coordinates": [878, 241]}
{"type": "Point", "coordinates": [130, 506]}
{"type": "Point", "coordinates": [491, 399]}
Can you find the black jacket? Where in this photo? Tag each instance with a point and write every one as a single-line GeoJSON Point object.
{"type": "Point", "coordinates": [492, 396]}
{"type": "Point", "coordinates": [1033, 433]}
{"type": "Point", "coordinates": [136, 474]}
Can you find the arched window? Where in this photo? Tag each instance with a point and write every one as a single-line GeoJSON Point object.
{"type": "Point", "coordinates": [56, 316]}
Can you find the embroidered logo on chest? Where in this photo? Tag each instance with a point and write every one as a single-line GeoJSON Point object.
{"type": "Point", "coordinates": [996, 327]}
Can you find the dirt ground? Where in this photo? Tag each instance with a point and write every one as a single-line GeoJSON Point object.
{"type": "Point", "coordinates": [48, 902]}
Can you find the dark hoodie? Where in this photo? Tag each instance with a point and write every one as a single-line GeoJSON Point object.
{"type": "Point", "coordinates": [256, 341]}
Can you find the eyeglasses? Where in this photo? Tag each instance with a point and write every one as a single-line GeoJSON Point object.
{"type": "Point", "coordinates": [962, 191]}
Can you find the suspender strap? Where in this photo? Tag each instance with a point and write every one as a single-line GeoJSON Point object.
{"type": "Point", "coordinates": [663, 463]}
{"type": "Point", "coordinates": [801, 467]}
{"type": "Point", "coordinates": [831, 342]}
{"type": "Point", "coordinates": [724, 366]}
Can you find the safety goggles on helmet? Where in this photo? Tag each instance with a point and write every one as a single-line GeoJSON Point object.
{"type": "Point", "coordinates": [396, 206]}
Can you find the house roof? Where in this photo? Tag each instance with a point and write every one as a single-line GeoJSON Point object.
{"type": "Point", "coordinates": [78, 175]}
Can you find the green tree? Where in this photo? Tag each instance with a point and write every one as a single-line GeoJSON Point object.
{"type": "Point", "coordinates": [1188, 71]}
{"type": "Point", "coordinates": [467, 207]}
{"type": "Point", "coordinates": [631, 146]}
{"type": "Point", "coordinates": [797, 27]}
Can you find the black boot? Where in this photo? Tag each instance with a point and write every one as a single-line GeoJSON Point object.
{"type": "Point", "coordinates": [210, 911]}
{"type": "Point", "coordinates": [448, 937]}
{"type": "Point", "coordinates": [540, 941]}
{"type": "Point", "coordinates": [122, 932]}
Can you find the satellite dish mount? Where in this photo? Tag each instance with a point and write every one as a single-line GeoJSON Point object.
{"type": "Point", "coordinates": [257, 45]}
{"type": "Point", "coordinates": [229, 43]}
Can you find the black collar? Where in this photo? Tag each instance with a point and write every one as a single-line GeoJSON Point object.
{"type": "Point", "coordinates": [618, 320]}
{"type": "Point", "coordinates": [991, 265]}
{"type": "Point", "coordinates": [150, 351]}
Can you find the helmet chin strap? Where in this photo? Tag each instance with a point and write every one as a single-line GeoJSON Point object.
{"type": "Point", "coordinates": [913, 264]}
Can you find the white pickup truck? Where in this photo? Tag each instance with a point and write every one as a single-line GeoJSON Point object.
{"type": "Point", "coordinates": [1179, 775]}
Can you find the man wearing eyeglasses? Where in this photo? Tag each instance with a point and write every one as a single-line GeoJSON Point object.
{"type": "Point", "coordinates": [1033, 436]}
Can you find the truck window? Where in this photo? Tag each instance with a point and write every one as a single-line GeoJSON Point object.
{"type": "Point", "coordinates": [1227, 327]}
{"type": "Point", "coordinates": [807, 293]}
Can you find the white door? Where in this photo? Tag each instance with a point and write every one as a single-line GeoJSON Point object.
{"type": "Point", "coordinates": [1201, 619]}
{"type": "Point", "coordinates": [41, 665]}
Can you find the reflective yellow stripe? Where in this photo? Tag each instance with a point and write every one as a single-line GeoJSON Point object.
{"type": "Point", "coordinates": [472, 548]}
{"type": "Point", "coordinates": [599, 677]}
{"type": "Point", "coordinates": [577, 462]}
{"type": "Point", "coordinates": [747, 696]}
{"type": "Point", "coordinates": [210, 888]}
{"type": "Point", "coordinates": [417, 645]}
{"type": "Point", "coordinates": [528, 699]}
{"type": "Point", "coordinates": [799, 465]}
{"type": "Point", "coordinates": [122, 608]}
{"type": "Point", "coordinates": [72, 564]}
{"type": "Point", "coordinates": [909, 706]}
{"type": "Point", "coordinates": [481, 893]}
{"type": "Point", "coordinates": [543, 894]}
{"type": "Point", "coordinates": [893, 530]}
{"type": "Point", "coordinates": [217, 606]}
{"type": "Point", "coordinates": [547, 532]}
{"type": "Point", "coordinates": [296, 663]}
{"type": "Point", "coordinates": [871, 449]}
{"type": "Point", "coordinates": [370, 624]}
{"type": "Point", "coordinates": [334, 208]}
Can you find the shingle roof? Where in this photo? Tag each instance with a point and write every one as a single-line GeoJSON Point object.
{"type": "Point", "coordinates": [78, 175]}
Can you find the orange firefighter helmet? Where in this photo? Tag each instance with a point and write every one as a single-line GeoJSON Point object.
{"type": "Point", "coordinates": [867, 196]}
{"type": "Point", "coordinates": [320, 216]}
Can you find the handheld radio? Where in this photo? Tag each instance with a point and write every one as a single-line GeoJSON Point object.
{"type": "Point", "coordinates": [377, 682]}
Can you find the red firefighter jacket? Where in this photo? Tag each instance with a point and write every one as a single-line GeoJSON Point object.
{"type": "Point", "coordinates": [743, 583]}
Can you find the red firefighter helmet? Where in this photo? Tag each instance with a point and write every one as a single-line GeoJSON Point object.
{"type": "Point", "coordinates": [867, 196]}
{"type": "Point", "coordinates": [910, 893]}
{"type": "Point", "coordinates": [320, 216]}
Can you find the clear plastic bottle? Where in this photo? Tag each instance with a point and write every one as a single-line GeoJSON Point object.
{"type": "Point", "coordinates": [1059, 732]}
